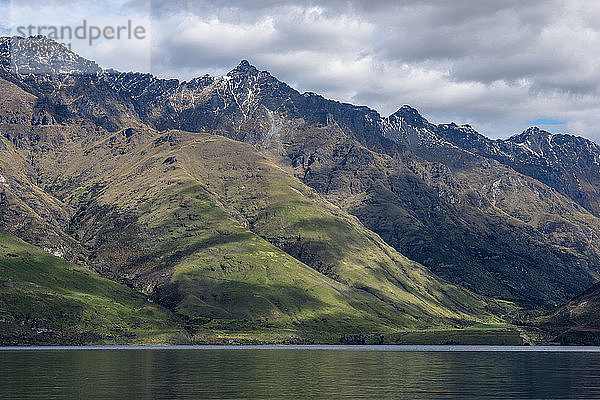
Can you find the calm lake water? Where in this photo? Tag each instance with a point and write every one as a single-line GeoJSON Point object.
{"type": "Point", "coordinates": [318, 372]}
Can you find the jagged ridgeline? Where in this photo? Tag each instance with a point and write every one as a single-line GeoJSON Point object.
{"type": "Point", "coordinates": [238, 204]}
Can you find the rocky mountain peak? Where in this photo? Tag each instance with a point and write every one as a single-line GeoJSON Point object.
{"type": "Point", "coordinates": [410, 115]}
{"type": "Point", "coordinates": [532, 134]}
{"type": "Point", "coordinates": [408, 127]}
{"type": "Point", "coordinates": [244, 68]}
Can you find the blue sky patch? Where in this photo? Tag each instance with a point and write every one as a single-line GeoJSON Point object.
{"type": "Point", "coordinates": [546, 121]}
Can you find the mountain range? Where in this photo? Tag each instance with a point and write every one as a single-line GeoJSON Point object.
{"type": "Point", "coordinates": [235, 208]}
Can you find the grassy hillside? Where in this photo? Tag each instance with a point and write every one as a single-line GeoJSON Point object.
{"type": "Point", "coordinates": [292, 216]}
{"type": "Point", "coordinates": [228, 241]}
{"type": "Point", "coordinates": [45, 300]}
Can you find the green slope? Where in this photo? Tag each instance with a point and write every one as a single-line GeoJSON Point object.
{"type": "Point", "coordinates": [45, 300]}
{"type": "Point", "coordinates": [210, 228]}
{"type": "Point", "coordinates": [292, 216]}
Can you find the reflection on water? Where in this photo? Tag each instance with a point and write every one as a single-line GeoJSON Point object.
{"type": "Point", "coordinates": [210, 373]}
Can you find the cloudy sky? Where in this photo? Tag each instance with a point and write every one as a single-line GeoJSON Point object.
{"type": "Point", "coordinates": [499, 65]}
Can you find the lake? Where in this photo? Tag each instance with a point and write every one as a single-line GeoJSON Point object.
{"type": "Point", "coordinates": [300, 372]}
